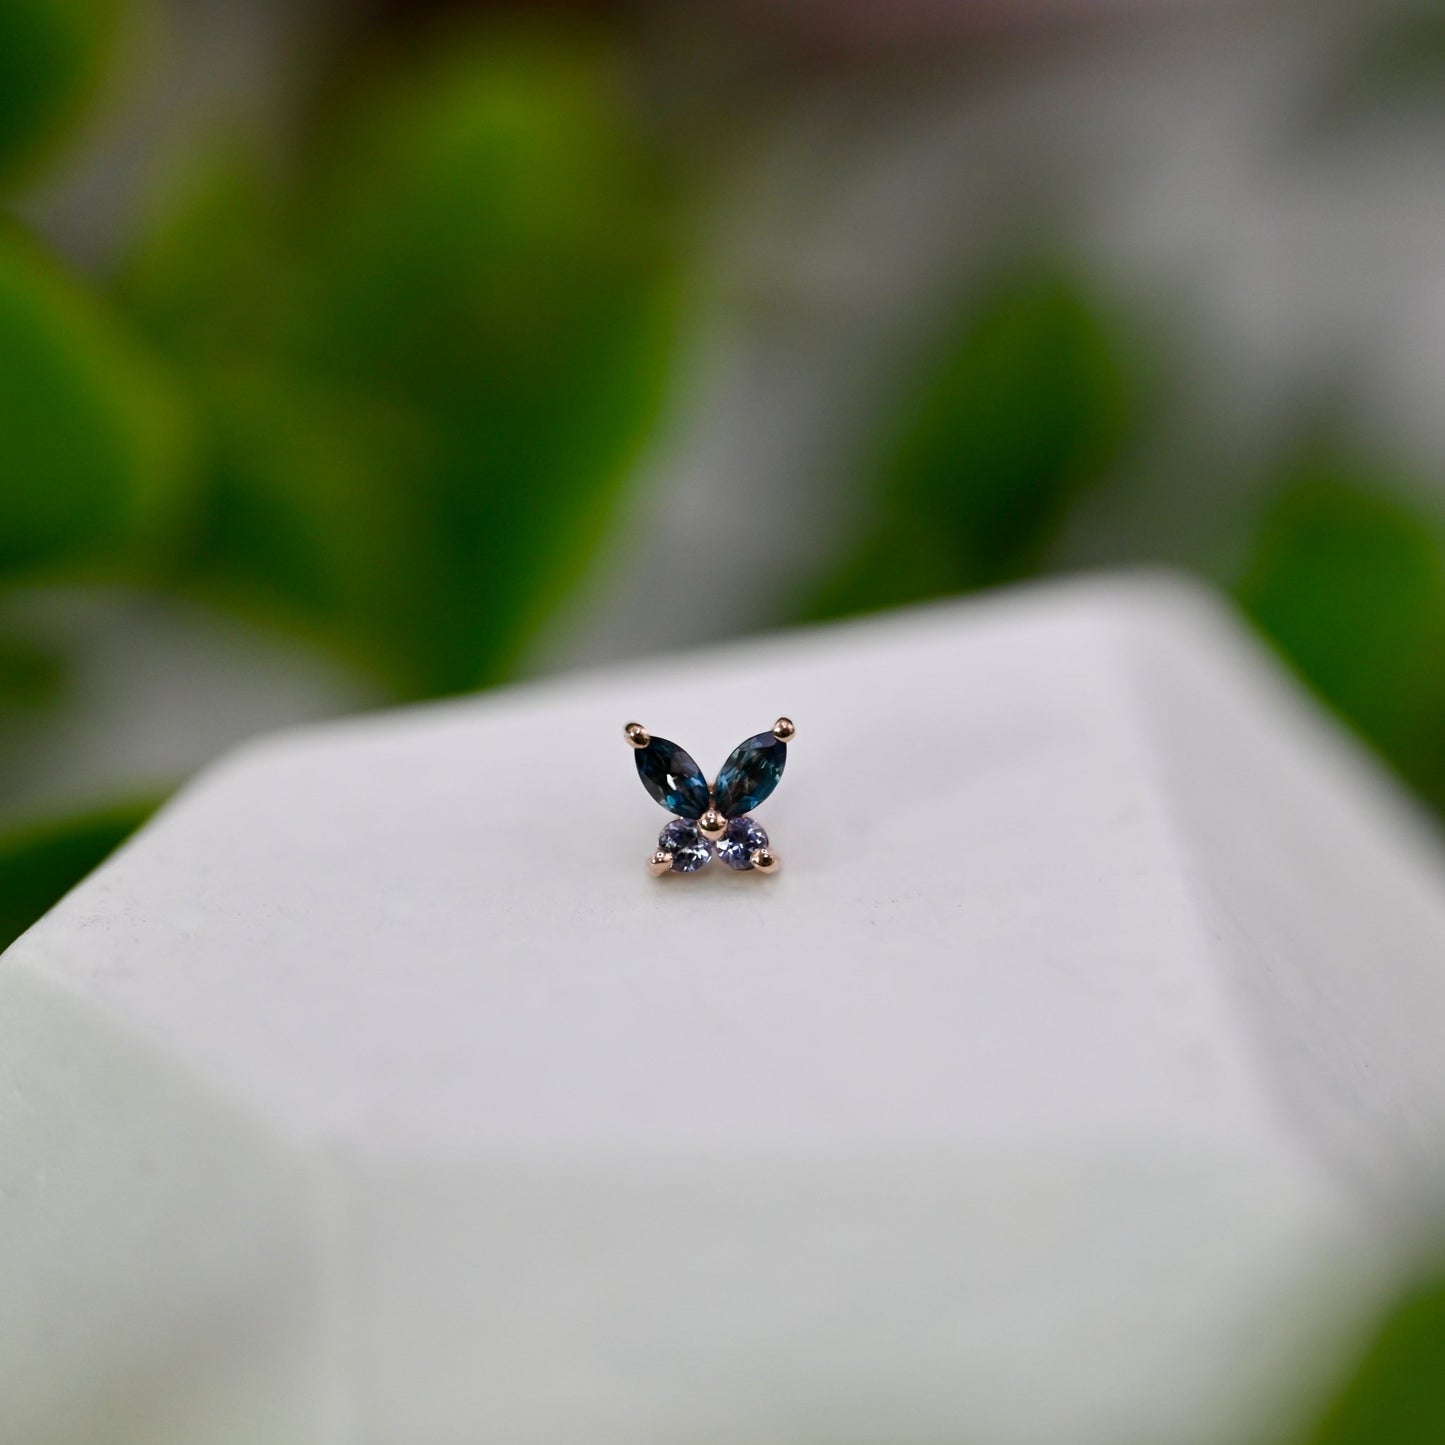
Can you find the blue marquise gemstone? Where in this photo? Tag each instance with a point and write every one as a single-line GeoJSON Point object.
{"type": "Point", "coordinates": [735, 847]}
{"type": "Point", "coordinates": [690, 850]}
{"type": "Point", "coordinates": [672, 778]}
{"type": "Point", "coordinates": [750, 774]}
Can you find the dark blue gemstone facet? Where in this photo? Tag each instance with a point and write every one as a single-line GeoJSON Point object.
{"type": "Point", "coordinates": [690, 850]}
{"type": "Point", "coordinates": [735, 846]}
{"type": "Point", "coordinates": [750, 774]}
{"type": "Point", "coordinates": [672, 778]}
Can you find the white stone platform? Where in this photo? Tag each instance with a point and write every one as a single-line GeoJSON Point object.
{"type": "Point", "coordinates": [1080, 1062]}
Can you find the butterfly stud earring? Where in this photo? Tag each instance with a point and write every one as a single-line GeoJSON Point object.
{"type": "Point", "coordinates": [714, 820]}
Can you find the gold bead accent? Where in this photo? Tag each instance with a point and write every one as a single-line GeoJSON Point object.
{"type": "Point", "coordinates": [783, 729]}
{"type": "Point", "coordinates": [637, 735]}
{"type": "Point", "coordinates": [763, 860]}
{"type": "Point", "coordinates": [712, 825]}
{"type": "Point", "coordinates": [660, 863]}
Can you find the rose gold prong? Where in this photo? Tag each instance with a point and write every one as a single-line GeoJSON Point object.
{"type": "Point", "coordinates": [712, 825]}
{"type": "Point", "coordinates": [764, 860]}
{"type": "Point", "coordinates": [637, 735]}
{"type": "Point", "coordinates": [783, 730]}
{"type": "Point", "coordinates": [660, 863]}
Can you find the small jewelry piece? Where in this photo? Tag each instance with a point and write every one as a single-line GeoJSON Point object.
{"type": "Point", "coordinates": [713, 819]}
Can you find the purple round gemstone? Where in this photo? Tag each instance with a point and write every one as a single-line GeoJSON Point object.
{"type": "Point", "coordinates": [735, 846]}
{"type": "Point", "coordinates": [690, 850]}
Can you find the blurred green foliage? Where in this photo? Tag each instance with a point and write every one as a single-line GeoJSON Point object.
{"type": "Point", "coordinates": [52, 55]}
{"type": "Point", "coordinates": [1396, 1393]}
{"type": "Point", "coordinates": [90, 449]}
{"type": "Point", "coordinates": [29, 675]}
{"type": "Point", "coordinates": [1348, 579]}
{"type": "Point", "coordinates": [91, 439]}
{"type": "Point", "coordinates": [423, 360]}
{"type": "Point", "coordinates": [1019, 410]}
{"type": "Point", "coordinates": [1018, 417]}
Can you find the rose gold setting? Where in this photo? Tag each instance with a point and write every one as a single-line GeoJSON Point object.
{"type": "Point", "coordinates": [712, 825]}
{"type": "Point", "coordinates": [764, 860]}
{"type": "Point", "coordinates": [783, 730]}
{"type": "Point", "coordinates": [660, 863]}
{"type": "Point", "coordinates": [637, 735]}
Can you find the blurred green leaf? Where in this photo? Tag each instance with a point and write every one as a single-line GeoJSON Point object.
{"type": "Point", "coordinates": [52, 53]}
{"type": "Point", "coordinates": [1019, 411]}
{"type": "Point", "coordinates": [904, 559]}
{"type": "Point", "coordinates": [30, 675]}
{"type": "Point", "coordinates": [455, 342]}
{"type": "Point", "coordinates": [491, 249]}
{"type": "Point", "coordinates": [39, 864]}
{"type": "Point", "coordinates": [89, 439]}
{"type": "Point", "coordinates": [1396, 1395]}
{"type": "Point", "coordinates": [212, 281]}
{"type": "Point", "coordinates": [1350, 583]}
{"type": "Point", "coordinates": [305, 514]}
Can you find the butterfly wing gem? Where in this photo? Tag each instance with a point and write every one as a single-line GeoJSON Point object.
{"type": "Point", "coordinates": [751, 772]}
{"type": "Point", "coordinates": [669, 774]}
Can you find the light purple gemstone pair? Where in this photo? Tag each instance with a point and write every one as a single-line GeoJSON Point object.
{"type": "Point", "coordinates": [691, 851]}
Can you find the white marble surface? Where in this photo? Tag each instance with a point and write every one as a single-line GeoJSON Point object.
{"type": "Point", "coordinates": [1079, 1062]}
